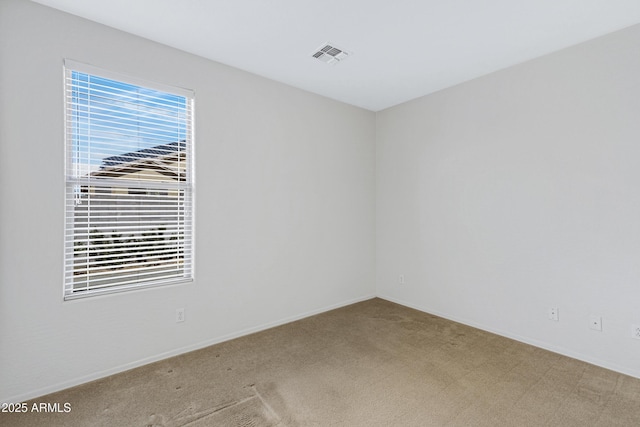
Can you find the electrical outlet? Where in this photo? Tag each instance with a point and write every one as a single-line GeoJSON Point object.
{"type": "Point", "coordinates": [401, 279]}
{"type": "Point", "coordinates": [635, 331]}
{"type": "Point", "coordinates": [553, 313]}
{"type": "Point", "coordinates": [179, 315]}
{"type": "Point", "coordinates": [595, 322]}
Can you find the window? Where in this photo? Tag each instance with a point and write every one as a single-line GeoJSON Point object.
{"type": "Point", "coordinates": [129, 185]}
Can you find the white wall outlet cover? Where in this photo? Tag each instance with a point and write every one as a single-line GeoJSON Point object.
{"type": "Point", "coordinates": [179, 315]}
{"type": "Point", "coordinates": [595, 323]}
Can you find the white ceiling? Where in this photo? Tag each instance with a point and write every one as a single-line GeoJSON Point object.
{"type": "Point", "coordinates": [401, 49]}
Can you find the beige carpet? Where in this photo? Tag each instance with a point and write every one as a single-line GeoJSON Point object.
{"type": "Point", "coordinates": [370, 364]}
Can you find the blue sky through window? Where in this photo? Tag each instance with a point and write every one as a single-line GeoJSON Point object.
{"type": "Point", "coordinates": [110, 118]}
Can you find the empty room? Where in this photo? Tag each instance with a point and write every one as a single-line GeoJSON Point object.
{"type": "Point", "coordinates": [319, 213]}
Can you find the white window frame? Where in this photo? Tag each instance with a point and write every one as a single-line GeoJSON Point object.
{"type": "Point", "coordinates": [146, 266]}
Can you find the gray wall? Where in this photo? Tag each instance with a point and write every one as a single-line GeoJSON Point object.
{"type": "Point", "coordinates": [516, 192]}
{"type": "Point", "coordinates": [284, 213]}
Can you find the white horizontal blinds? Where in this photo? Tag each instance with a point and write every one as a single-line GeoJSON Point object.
{"type": "Point", "coordinates": [129, 187]}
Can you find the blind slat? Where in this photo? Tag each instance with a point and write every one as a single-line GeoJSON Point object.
{"type": "Point", "coordinates": [129, 185]}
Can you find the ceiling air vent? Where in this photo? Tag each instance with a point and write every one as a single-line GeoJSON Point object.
{"type": "Point", "coordinates": [330, 54]}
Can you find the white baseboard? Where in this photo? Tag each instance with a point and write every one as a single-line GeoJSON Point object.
{"type": "Point", "coordinates": [145, 361]}
{"type": "Point", "coordinates": [536, 343]}
{"type": "Point", "coordinates": [118, 369]}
